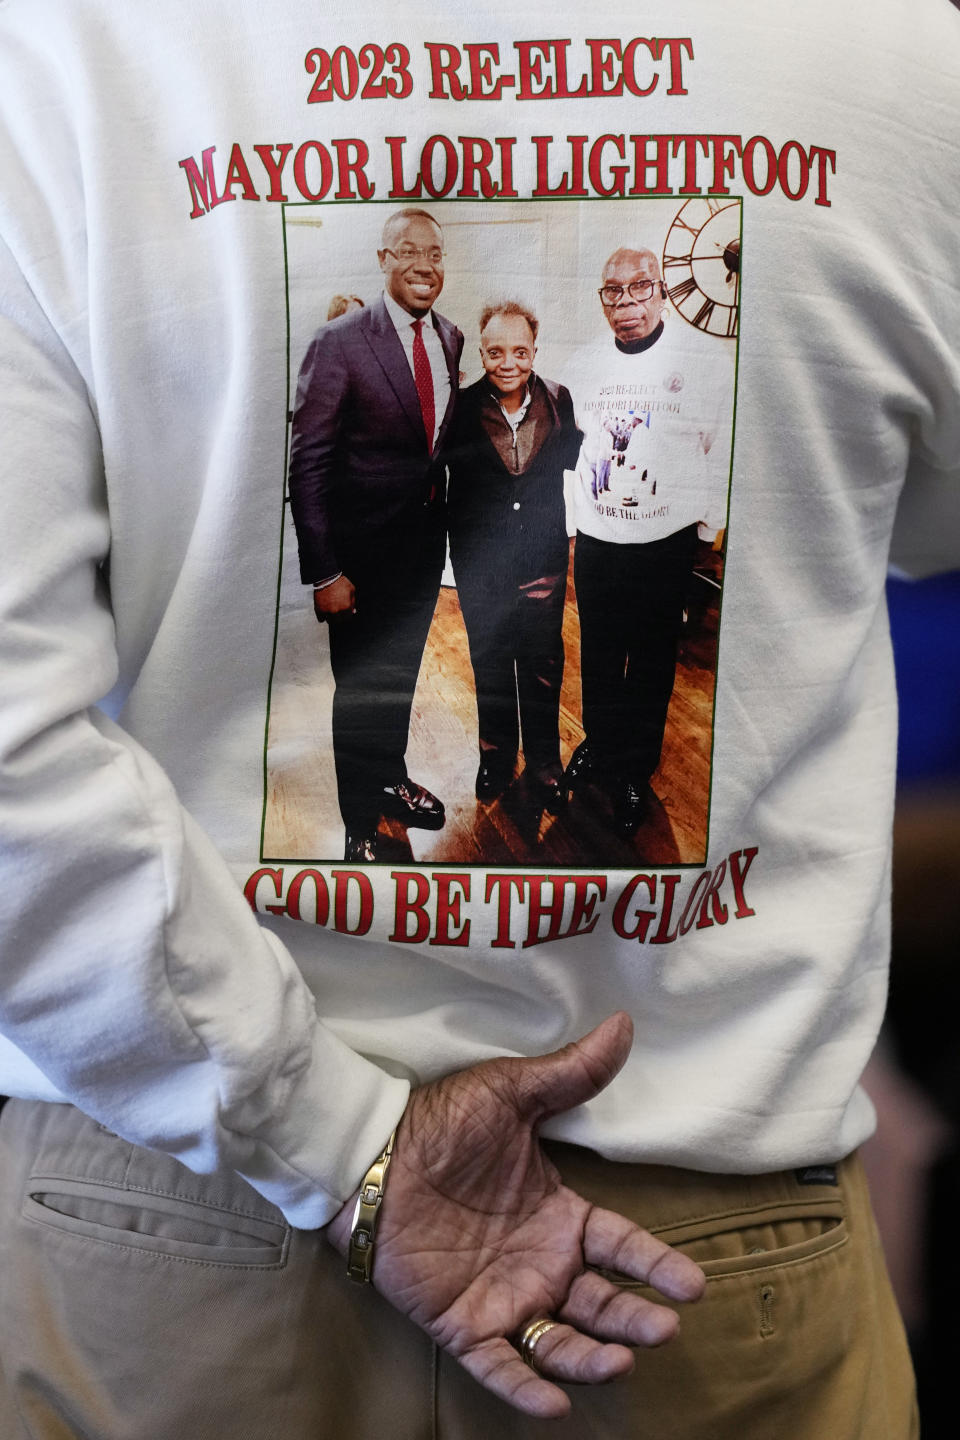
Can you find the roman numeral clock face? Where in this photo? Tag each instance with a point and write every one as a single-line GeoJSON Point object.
{"type": "Point", "coordinates": [701, 264]}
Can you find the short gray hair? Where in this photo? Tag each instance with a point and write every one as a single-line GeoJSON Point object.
{"type": "Point", "coordinates": [509, 307]}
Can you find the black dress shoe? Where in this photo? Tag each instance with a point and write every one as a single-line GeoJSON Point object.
{"type": "Point", "coordinates": [631, 807]}
{"type": "Point", "coordinates": [360, 848]}
{"type": "Point", "coordinates": [492, 780]}
{"type": "Point", "coordinates": [579, 768]}
{"type": "Point", "coordinates": [411, 803]}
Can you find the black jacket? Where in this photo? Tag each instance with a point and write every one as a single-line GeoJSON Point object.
{"type": "Point", "coordinates": [361, 472]}
{"type": "Point", "coordinates": [503, 526]}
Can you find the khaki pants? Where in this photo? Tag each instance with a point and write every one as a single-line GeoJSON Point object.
{"type": "Point", "coordinates": [142, 1302]}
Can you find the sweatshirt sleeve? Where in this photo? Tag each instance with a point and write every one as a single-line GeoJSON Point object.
{"type": "Point", "coordinates": [926, 535]}
{"type": "Point", "coordinates": [134, 977]}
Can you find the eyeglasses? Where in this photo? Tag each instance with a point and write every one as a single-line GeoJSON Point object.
{"type": "Point", "coordinates": [637, 290]}
{"type": "Point", "coordinates": [407, 253]}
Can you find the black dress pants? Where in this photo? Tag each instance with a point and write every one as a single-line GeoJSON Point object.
{"type": "Point", "coordinates": [375, 656]}
{"type": "Point", "coordinates": [630, 599]}
{"type": "Point", "coordinates": [516, 649]}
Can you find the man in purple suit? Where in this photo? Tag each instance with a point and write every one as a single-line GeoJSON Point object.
{"type": "Point", "coordinates": [367, 491]}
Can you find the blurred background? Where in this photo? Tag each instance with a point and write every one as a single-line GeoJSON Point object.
{"type": "Point", "coordinates": [914, 1077]}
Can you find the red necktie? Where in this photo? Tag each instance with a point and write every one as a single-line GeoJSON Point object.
{"type": "Point", "coordinates": [424, 378]}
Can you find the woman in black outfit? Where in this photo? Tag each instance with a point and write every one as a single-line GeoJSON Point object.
{"type": "Point", "coordinates": [513, 436]}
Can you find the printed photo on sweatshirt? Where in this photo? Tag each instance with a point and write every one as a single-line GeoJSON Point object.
{"type": "Point", "coordinates": [504, 531]}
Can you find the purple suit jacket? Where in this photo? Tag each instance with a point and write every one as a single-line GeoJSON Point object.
{"type": "Point", "coordinates": [361, 472]}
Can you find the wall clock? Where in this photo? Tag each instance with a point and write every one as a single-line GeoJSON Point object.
{"type": "Point", "coordinates": [701, 264]}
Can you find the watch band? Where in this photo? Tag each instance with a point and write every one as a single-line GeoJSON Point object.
{"type": "Point", "coordinates": [364, 1227]}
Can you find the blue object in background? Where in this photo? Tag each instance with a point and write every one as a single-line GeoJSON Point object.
{"type": "Point", "coordinates": [925, 625]}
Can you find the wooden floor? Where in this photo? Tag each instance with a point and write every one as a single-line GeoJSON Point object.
{"type": "Point", "coordinates": [302, 820]}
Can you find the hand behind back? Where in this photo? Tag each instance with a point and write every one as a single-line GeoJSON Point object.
{"type": "Point", "coordinates": [478, 1235]}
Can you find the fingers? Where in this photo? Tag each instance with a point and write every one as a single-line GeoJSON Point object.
{"type": "Point", "coordinates": [562, 1355]}
{"type": "Point", "coordinates": [498, 1367]}
{"type": "Point", "coordinates": [613, 1318]}
{"type": "Point", "coordinates": [578, 1072]}
{"type": "Point", "coordinates": [608, 1312]}
{"type": "Point", "coordinates": [566, 1355]}
{"type": "Point", "coordinates": [613, 1242]}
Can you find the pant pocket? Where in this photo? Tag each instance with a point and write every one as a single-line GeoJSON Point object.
{"type": "Point", "coordinates": [768, 1237]}
{"type": "Point", "coordinates": [783, 1341]}
{"type": "Point", "coordinates": [778, 1235]}
{"type": "Point", "coordinates": [163, 1225]}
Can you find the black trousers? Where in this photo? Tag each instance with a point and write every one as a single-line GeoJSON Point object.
{"type": "Point", "coordinates": [516, 649]}
{"type": "Point", "coordinates": [630, 599]}
{"type": "Point", "coordinates": [375, 656]}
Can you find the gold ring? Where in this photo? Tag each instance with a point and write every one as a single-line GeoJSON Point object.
{"type": "Point", "coordinates": [530, 1337]}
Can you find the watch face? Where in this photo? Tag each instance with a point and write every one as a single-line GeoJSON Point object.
{"type": "Point", "coordinates": [701, 264]}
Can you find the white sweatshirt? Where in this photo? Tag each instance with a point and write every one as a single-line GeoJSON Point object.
{"type": "Point", "coordinates": [657, 431]}
{"type": "Point", "coordinates": [146, 358]}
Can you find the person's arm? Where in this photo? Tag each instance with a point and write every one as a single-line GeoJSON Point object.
{"type": "Point", "coordinates": [572, 436]}
{"type": "Point", "coordinates": [714, 439]}
{"type": "Point", "coordinates": [323, 394]}
{"type": "Point", "coordinates": [134, 976]}
{"type": "Point", "coordinates": [590, 459]}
